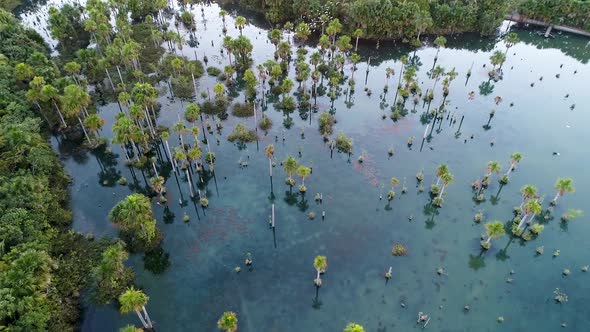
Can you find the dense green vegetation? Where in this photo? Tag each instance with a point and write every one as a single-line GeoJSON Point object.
{"type": "Point", "coordinates": [575, 13]}
{"type": "Point", "coordinates": [386, 19]}
{"type": "Point", "coordinates": [44, 267]}
{"type": "Point", "coordinates": [408, 20]}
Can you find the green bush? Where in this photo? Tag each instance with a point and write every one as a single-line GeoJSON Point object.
{"type": "Point", "coordinates": [242, 134]}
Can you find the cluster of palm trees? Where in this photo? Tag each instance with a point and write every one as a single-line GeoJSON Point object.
{"type": "Point", "coordinates": [444, 177]}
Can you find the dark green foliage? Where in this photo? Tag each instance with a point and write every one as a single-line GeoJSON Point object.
{"type": "Point", "coordinates": [243, 110]}
{"type": "Point", "coordinates": [43, 267]}
{"type": "Point", "coordinates": [156, 261]}
{"type": "Point", "coordinates": [326, 121]}
{"type": "Point", "coordinates": [394, 19]}
{"type": "Point", "coordinates": [576, 13]}
{"type": "Point", "coordinates": [213, 71]}
{"type": "Point", "coordinates": [242, 134]}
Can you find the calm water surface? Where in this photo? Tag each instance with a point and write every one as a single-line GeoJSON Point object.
{"type": "Point", "coordinates": [359, 229]}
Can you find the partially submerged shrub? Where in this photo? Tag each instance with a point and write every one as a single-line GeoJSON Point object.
{"type": "Point", "coordinates": [242, 134]}
{"type": "Point", "coordinates": [243, 110]}
{"type": "Point", "coordinates": [343, 143]}
{"type": "Point", "coordinates": [213, 71]}
{"type": "Point", "coordinates": [326, 121]}
{"type": "Point", "coordinates": [399, 250]}
{"type": "Point", "coordinates": [265, 123]}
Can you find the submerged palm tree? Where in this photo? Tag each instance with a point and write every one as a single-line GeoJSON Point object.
{"type": "Point", "coordinates": [528, 192]}
{"type": "Point", "coordinates": [531, 208]}
{"type": "Point", "coordinates": [290, 166]}
{"type": "Point", "coordinates": [303, 172]}
{"type": "Point", "coordinates": [563, 186]}
{"type": "Point", "coordinates": [135, 300]}
{"type": "Point", "coordinates": [515, 158]}
{"type": "Point", "coordinates": [270, 151]}
{"type": "Point", "coordinates": [228, 322]}
{"type": "Point", "coordinates": [241, 23]}
{"type": "Point", "coordinates": [494, 230]}
{"type": "Point", "coordinates": [320, 263]}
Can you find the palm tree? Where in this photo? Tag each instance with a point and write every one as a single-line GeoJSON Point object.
{"type": "Point", "coordinates": [74, 101]}
{"type": "Point", "coordinates": [531, 208]}
{"type": "Point", "coordinates": [228, 322]}
{"type": "Point", "coordinates": [511, 39]}
{"type": "Point", "coordinates": [494, 230]}
{"type": "Point", "coordinates": [436, 74]}
{"type": "Point", "coordinates": [180, 155]}
{"type": "Point", "coordinates": [290, 166]}
{"type": "Point", "coordinates": [528, 192]}
{"type": "Point", "coordinates": [563, 186]}
{"type": "Point", "coordinates": [50, 93]}
{"type": "Point", "coordinates": [165, 135]}
{"type": "Point", "coordinates": [270, 151]}
{"type": "Point", "coordinates": [440, 170]}
{"type": "Point", "coordinates": [241, 23]}
{"type": "Point", "coordinates": [303, 172]}
{"type": "Point", "coordinates": [222, 14]}
{"type": "Point", "coordinates": [302, 32]}
{"type": "Point", "coordinates": [134, 214]}
{"type": "Point", "coordinates": [440, 42]}
{"type": "Point", "coordinates": [135, 300]}
{"type": "Point", "coordinates": [515, 158]}
{"type": "Point", "coordinates": [181, 130]}
{"type": "Point", "coordinates": [130, 328]}
{"type": "Point", "coordinates": [354, 327]}
{"type": "Point", "coordinates": [394, 182]}
{"type": "Point", "coordinates": [497, 59]}
{"type": "Point", "coordinates": [447, 178]}
{"type": "Point", "coordinates": [320, 263]}
{"type": "Point", "coordinates": [286, 87]}
{"type": "Point", "coordinates": [357, 34]}
{"type": "Point", "coordinates": [275, 37]}
{"type": "Point", "coordinates": [493, 167]}
{"type": "Point", "coordinates": [94, 123]}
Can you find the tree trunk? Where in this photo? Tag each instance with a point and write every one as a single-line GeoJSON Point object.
{"type": "Point", "coordinates": [155, 169]}
{"type": "Point", "coordinates": [120, 76]}
{"type": "Point", "coordinates": [145, 324]}
{"type": "Point", "coordinates": [84, 129]}
{"type": "Point", "coordinates": [61, 117]}
{"type": "Point", "coordinates": [147, 316]}
{"type": "Point", "coordinates": [190, 183]}
{"type": "Point", "coordinates": [441, 191]}
{"type": "Point", "coordinates": [356, 44]}
{"type": "Point", "coordinates": [556, 197]}
{"type": "Point", "coordinates": [521, 221]}
{"type": "Point", "coordinates": [489, 239]}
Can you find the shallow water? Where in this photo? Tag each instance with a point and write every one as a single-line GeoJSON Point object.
{"type": "Point", "coordinates": [359, 229]}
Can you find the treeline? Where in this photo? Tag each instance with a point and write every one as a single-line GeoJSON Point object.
{"type": "Point", "coordinates": [44, 266]}
{"type": "Point", "coordinates": [573, 13]}
{"type": "Point", "coordinates": [389, 19]}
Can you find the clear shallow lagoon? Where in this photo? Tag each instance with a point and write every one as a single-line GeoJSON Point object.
{"type": "Point", "coordinates": [359, 230]}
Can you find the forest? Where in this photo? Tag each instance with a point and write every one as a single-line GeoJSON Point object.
{"type": "Point", "coordinates": [407, 20]}
{"type": "Point", "coordinates": [127, 53]}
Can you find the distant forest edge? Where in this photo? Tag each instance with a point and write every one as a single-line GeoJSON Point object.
{"type": "Point", "coordinates": [408, 20]}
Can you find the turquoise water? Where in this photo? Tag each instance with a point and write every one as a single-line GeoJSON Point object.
{"type": "Point", "coordinates": [359, 229]}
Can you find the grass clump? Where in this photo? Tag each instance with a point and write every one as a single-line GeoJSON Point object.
{"type": "Point", "coordinates": [266, 123]}
{"type": "Point", "coordinates": [344, 143]}
{"type": "Point", "coordinates": [326, 121]}
{"type": "Point", "coordinates": [243, 110]}
{"type": "Point", "coordinates": [242, 134]}
{"type": "Point", "coordinates": [213, 71]}
{"type": "Point", "coordinates": [399, 250]}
